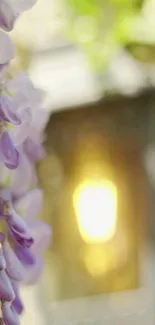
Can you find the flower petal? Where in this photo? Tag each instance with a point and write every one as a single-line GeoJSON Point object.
{"type": "Point", "coordinates": [10, 317]}
{"type": "Point", "coordinates": [34, 150]}
{"type": "Point", "coordinates": [41, 233]}
{"type": "Point", "coordinates": [17, 303]}
{"type": "Point", "coordinates": [7, 50]}
{"type": "Point", "coordinates": [30, 205]}
{"type": "Point", "coordinates": [7, 110]}
{"type": "Point", "coordinates": [10, 11]}
{"type": "Point", "coordinates": [32, 274]}
{"type": "Point", "coordinates": [25, 94]}
{"type": "Point", "coordinates": [2, 259]}
{"type": "Point", "coordinates": [13, 266]}
{"type": "Point", "coordinates": [20, 131]}
{"type": "Point", "coordinates": [18, 230]}
{"type": "Point", "coordinates": [9, 153]}
{"type": "Point", "coordinates": [5, 175]}
{"type": "Point", "coordinates": [6, 290]}
{"type": "Point", "coordinates": [25, 256]}
{"type": "Point", "coordinates": [25, 168]}
{"type": "Point", "coordinates": [6, 15]}
{"type": "Point", "coordinates": [3, 67]}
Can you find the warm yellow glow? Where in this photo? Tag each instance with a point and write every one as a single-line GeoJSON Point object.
{"type": "Point", "coordinates": [95, 205]}
{"type": "Point", "coordinates": [97, 260]}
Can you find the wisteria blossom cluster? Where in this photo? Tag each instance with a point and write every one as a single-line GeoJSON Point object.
{"type": "Point", "coordinates": [23, 237]}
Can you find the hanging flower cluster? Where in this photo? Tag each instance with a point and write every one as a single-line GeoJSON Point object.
{"type": "Point", "coordinates": [22, 124]}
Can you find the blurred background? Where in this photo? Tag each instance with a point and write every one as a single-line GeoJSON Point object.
{"type": "Point", "coordinates": [96, 62]}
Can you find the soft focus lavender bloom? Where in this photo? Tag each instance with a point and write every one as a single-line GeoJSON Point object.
{"type": "Point", "coordinates": [11, 269]}
{"type": "Point", "coordinates": [41, 233]}
{"type": "Point", "coordinates": [10, 316]}
{"type": "Point", "coordinates": [19, 105]}
{"type": "Point", "coordinates": [8, 153]}
{"type": "Point", "coordinates": [6, 289]}
{"type": "Point", "coordinates": [32, 274]}
{"type": "Point", "coordinates": [10, 10]}
{"type": "Point", "coordinates": [2, 259]}
{"type": "Point", "coordinates": [5, 175]}
{"type": "Point", "coordinates": [18, 187]}
{"type": "Point", "coordinates": [42, 238]}
{"type": "Point", "coordinates": [17, 228]}
{"type": "Point", "coordinates": [17, 303]}
{"type": "Point", "coordinates": [33, 145]}
{"type": "Point", "coordinates": [15, 178]}
{"type": "Point", "coordinates": [25, 256]}
{"type": "Point", "coordinates": [30, 151]}
{"type": "Point", "coordinates": [34, 150]}
{"type": "Point", "coordinates": [29, 207]}
{"type": "Point", "coordinates": [26, 104]}
{"type": "Point", "coordinates": [7, 109]}
{"type": "Point", "coordinates": [22, 124]}
{"type": "Point", "coordinates": [13, 266]}
{"type": "Point", "coordinates": [6, 49]}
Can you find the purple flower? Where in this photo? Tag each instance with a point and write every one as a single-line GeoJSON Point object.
{"type": "Point", "coordinates": [41, 233]}
{"type": "Point", "coordinates": [8, 153]}
{"type": "Point", "coordinates": [7, 110]}
{"type": "Point", "coordinates": [17, 228]}
{"type": "Point", "coordinates": [25, 256]}
{"type": "Point", "coordinates": [17, 303]}
{"type": "Point", "coordinates": [13, 266]}
{"type": "Point", "coordinates": [10, 11]}
{"type": "Point", "coordinates": [34, 150]}
{"type": "Point", "coordinates": [22, 124]}
{"type": "Point", "coordinates": [42, 238]}
{"type": "Point", "coordinates": [5, 175]}
{"type": "Point", "coordinates": [2, 259]}
{"type": "Point", "coordinates": [15, 109]}
{"type": "Point", "coordinates": [6, 49]}
{"type": "Point", "coordinates": [33, 145]}
{"type": "Point", "coordinates": [6, 290]}
{"type": "Point", "coordinates": [18, 187]}
{"type": "Point", "coordinates": [33, 257]}
{"type": "Point", "coordinates": [29, 207]}
{"type": "Point", "coordinates": [14, 178]}
{"type": "Point", "coordinates": [25, 101]}
{"type": "Point", "coordinates": [11, 269]}
{"type": "Point", "coordinates": [10, 316]}
{"type": "Point", "coordinates": [20, 107]}
{"type": "Point", "coordinates": [32, 274]}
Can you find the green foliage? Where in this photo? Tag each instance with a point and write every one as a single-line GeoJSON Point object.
{"type": "Point", "coordinates": [102, 27]}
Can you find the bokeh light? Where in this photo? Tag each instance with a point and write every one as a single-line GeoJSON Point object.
{"type": "Point", "coordinates": [95, 204]}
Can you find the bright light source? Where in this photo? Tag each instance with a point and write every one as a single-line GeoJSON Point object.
{"type": "Point", "coordinates": [95, 205]}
